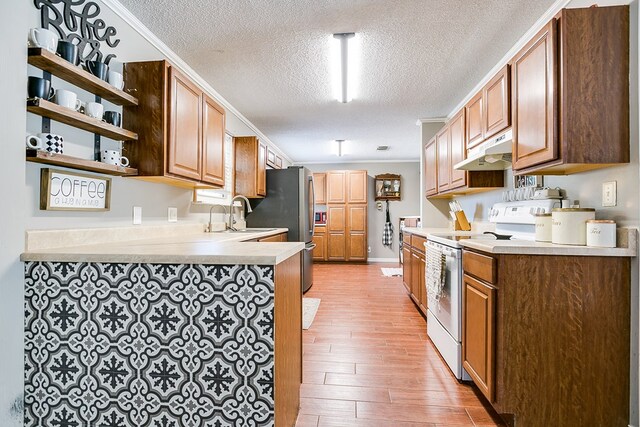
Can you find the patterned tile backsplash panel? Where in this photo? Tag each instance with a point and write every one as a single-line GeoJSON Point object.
{"type": "Point", "coordinates": [160, 345]}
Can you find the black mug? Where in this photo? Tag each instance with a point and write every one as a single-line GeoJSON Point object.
{"type": "Point", "coordinates": [68, 51]}
{"type": "Point", "coordinates": [113, 118]}
{"type": "Point", "coordinates": [38, 87]}
{"type": "Point", "coordinates": [98, 69]}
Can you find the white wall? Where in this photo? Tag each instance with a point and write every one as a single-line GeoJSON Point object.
{"type": "Point", "coordinates": [408, 206]}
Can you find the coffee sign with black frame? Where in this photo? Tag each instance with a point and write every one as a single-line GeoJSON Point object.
{"type": "Point", "coordinates": [71, 191]}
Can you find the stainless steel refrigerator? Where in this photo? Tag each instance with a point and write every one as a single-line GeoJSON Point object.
{"type": "Point", "coordinates": [290, 203]}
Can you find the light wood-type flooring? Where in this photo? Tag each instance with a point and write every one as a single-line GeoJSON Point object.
{"type": "Point", "coordinates": [368, 361]}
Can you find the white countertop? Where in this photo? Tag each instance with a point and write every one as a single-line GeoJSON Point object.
{"type": "Point", "coordinates": [194, 248]}
{"type": "Point", "coordinates": [627, 244]}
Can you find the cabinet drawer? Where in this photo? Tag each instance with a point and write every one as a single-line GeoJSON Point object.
{"type": "Point", "coordinates": [418, 242]}
{"type": "Point", "coordinates": [481, 266]}
{"type": "Point", "coordinates": [406, 238]}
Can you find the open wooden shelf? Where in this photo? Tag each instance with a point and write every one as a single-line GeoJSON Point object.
{"type": "Point", "coordinates": [71, 117]}
{"type": "Point", "coordinates": [63, 160]}
{"type": "Point", "coordinates": [47, 61]}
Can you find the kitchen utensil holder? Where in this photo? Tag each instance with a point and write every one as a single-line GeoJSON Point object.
{"type": "Point", "coordinates": [462, 221]}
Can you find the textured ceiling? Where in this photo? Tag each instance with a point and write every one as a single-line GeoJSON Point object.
{"type": "Point", "coordinates": [270, 60]}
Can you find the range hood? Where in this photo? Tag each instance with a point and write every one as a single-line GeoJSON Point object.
{"type": "Point", "coordinates": [492, 154]}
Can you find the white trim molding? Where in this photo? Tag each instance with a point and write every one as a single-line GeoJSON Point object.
{"type": "Point", "coordinates": [432, 120]}
{"type": "Point", "coordinates": [173, 57]}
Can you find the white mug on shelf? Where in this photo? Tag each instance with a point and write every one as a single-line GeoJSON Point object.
{"type": "Point", "coordinates": [33, 142]}
{"type": "Point", "coordinates": [41, 37]}
{"type": "Point", "coordinates": [94, 109]}
{"type": "Point", "coordinates": [49, 142]}
{"type": "Point", "coordinates": [68, 99]}
{"type": "Point", "coordinates": [115, 79]}
{"type": "Point", "coordinates": [113, 157]}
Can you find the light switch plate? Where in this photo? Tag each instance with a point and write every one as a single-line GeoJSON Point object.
{"type": "Point", "coordinates": [137, 215]}
{"type": "Point", "coordinates": [172, 214]}
{"type": "Point", "coordinates": [609, 193]}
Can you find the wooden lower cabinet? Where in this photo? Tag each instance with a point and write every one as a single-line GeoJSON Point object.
{"type": "Point", "coordinates": [413, 266]}
{"type": "Point", "coordinates": [336, 246]}
{"type": "Point", "coordinates": [406, 267]}
{"type": "Point", "coordinates": [282, 237]}
{"type": "Point", "coordinates": [547, 338]}
{"type": "Point", "coordinates": [478, 334]}
{"type": "Point", "coordinates": [320, 251]}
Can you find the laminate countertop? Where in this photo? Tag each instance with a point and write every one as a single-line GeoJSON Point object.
{"type": "Point", "coordinates": [194, 248]}
{"type": "Point", "coordinates": [627, 239]}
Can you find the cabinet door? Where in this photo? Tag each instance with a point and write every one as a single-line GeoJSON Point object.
{"type": "Point", "coordinates": [474, 112]}
{"type": "Point", "coordinates": [271, 158]}
{"type": "Point", "coordinates": [442, 139]}
{"type": "Point", "coordinates": [185, 103]}
{"type": "Point", "coordinates": [357, 187]}
{"type": "Point", "coordinates": [336, 185]}
{"type": "Point", "coordinates": [261, 178]}
{"type": "Point", "coordinates": [431, 168]}
{"type": "Point", "coordinates": [496, 97]}
{"type": "Point", "coordinates": [357, 232]}
{"type": "Point", "coordinates": [319, 252]}
{"type": "Point", "coordinates": [415, 275]}
{"type": "Point", "coordinates": [457, 151]}
{"type": "Point", "coordinates": [534, 100]}
{"type": "Point", "coordinates": [336, 218]}
{"type": "Point", "coordinates": [406, 267]}
{"type": "Point", "coordinates": [212, 142]}
{"type": "Point", "coordinates": [478, 334]}
{"type": "Point", "coordinates": [320, 188]}
{"type": "Point", "coordinates": [422, 290]}
{"type": "Point", "coordinates": [278, 162]}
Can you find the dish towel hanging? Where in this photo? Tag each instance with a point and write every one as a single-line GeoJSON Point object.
{"type": "Point", "coordinates": [435, 273]}
{"type": "Point", "coordinates": [387, 232]}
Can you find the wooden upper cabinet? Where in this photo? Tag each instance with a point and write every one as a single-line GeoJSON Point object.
{"type": "Point", "coordinates": [535, 96]}
{"type": "Point", "coordinates": [570, 94]}
{"type": "Point", "coordinates": [457, 150]}
{"type": "Point", "coordinates": [431, 168]}
{"type": "Point", "coordinates": [474, 115]}
{"type": "Point", "coordinates": [357, 186]}
{"type": "Point", "coordinates": [180, 129]}
{"type": "Point", "coordinates": [213, 142]}
{"type": "Point", "coordinates": [442, 142]}
{"type": "Point", "coordinates": [185, 127]}
{"type": "Point", "coordinates": [271, 158]}
{"type": "Point", "coordinates": [250, 166]}
{"type": "Point", "coordinates": [336, 187]}
{"type": "Point", "coordinates": [320, 188]}
{"type": "Point", "coordinates": [497, 114]}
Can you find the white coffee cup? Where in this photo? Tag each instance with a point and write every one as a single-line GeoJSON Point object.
{"type": "Point", "coordinates": [66, 98]}
{"type": "Point", "coordinates": [41, 37]}
{"type": "Point", "coordinates": [113, 157]}
{"type": "Point", "coordinates": [94, 109]}
{"type": "Point", "coordinates": [33, 142]}
{"type": "Point", "coordinates": [115, 79]}
{"type": "Point", "coordinates": [52, 142]}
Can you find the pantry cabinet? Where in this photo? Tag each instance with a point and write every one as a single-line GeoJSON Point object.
{"type": "Point", "coordinates": [320, 240]}
{"type": "Point", "coordinates": [250, 166]}
{"type": "Point", "coordinates": [570, 94]}
{"type": "Point", "coordinates": [336, 187]}
{"type": "Point", "coordinates": [180, 128]}
{"type": "Point", "coordinates": [320, 188]}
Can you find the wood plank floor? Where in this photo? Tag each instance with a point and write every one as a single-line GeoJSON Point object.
{"type": "Point", "coordinates": [368, 362]}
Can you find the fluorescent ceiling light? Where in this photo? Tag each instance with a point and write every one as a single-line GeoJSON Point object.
{"type": "Point", "coordinates": [345, 48]}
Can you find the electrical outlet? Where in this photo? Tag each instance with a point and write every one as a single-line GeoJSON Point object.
{"type": "Point", "coordinates": [137, 215]}
{"type": "Point", "coordinates": [369, 250]}
{"type": "Point", "coordinates": [609, 193]}
{"type": "Point", "coordinates": [172, 214]}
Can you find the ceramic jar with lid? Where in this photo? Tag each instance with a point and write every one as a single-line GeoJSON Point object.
{"type": "Point", "coordinates": [569, 225]}
{"type": "Point", "coordinates": [601, 233]}
{"type": "Point", "coordinates": [543, 227]}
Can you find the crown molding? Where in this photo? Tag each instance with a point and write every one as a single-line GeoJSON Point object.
{"type": "Point", "coordinates": [432, 120]}
{"type": "Point", "coordinates": [126, 15]}
{"type": "Point", "coordinates": [542, 21]}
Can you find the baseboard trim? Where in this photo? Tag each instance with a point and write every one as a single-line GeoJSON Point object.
{"type": "Point", "coordinates": [386, 260]}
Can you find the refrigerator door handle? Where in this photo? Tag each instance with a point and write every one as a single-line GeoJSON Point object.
{"type": "Point", "coordinates": [310, 247]}
{"type": "Point", "coordinates": [312, 214]}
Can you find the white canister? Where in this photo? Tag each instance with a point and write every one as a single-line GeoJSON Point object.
{"type": "Point", "coordinates": [569, 225]}
{"type": "Point", "coordinates": [601, 233]}
{"type": "Point", "coordinates": [543, 227]}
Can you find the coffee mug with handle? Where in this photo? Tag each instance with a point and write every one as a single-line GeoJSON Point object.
{"type": "Point", "coordinates": [37, 87]}
{"type": "Point", "coordinates": [113, 157]}
{"type": "Point", "coordinates": [115, 79]}
{"type": "Point", "coordinates": [50, 142]}
{"type": "Point", "coordinates": [68, 99]}
{"type": "Point", "coordinates": [113, 118]}
{"type": "Point", "coordinates": [94, 109]}
{"type": "Point", "coordinates": [41, 37]}
{"type": "Point", "coordinates": [33, 142]}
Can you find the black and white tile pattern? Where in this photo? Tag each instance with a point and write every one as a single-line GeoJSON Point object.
{"type": "Point", "coordinates": [160, 345]}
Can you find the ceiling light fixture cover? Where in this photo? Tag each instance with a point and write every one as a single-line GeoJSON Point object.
{"type": "Point", "coordinates": [344, 63]}
{"type": "Point", "coordinates": [339, 147]}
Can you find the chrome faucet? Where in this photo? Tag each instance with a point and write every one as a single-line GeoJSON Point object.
{"type": "Point", "coordinates": [247, 205]}
{"type": "Point", "coordinates": [210, 225]}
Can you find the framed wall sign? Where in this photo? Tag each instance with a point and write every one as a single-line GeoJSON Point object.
{"type": "Point", "coordinates": [71, 191]}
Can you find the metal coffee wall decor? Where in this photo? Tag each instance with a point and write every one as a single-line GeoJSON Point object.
{"type": "Point", "coordinates": [77, 21]}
